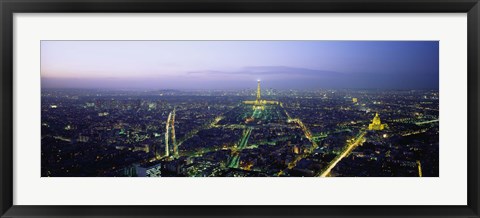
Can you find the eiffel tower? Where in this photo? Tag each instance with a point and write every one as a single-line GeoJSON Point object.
{"type": "Point", "coordinates": [259, 104]}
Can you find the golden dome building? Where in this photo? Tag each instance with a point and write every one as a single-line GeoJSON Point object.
{"type": "Point", "coordinates": [376, 123]}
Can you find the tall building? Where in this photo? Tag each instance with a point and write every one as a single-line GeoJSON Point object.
{"type": "Point", "coordinates": [258, 90]}
{"type": "Point", "coordinates": [376, 123]}
{"type": "Point", "coordinates": [259, 104]}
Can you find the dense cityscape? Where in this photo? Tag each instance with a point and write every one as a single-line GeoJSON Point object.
{"type": "Point", "coordinates": [254, 132]}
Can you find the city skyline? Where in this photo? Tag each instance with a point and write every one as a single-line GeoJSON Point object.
{"type": "Point", "coordinates": [294, 134]}
{"type": "Point", "coordinates": [151, 65]}
{"type": "Point", "coordinates": [240, 109]}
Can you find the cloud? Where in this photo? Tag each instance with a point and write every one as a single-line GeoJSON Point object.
{"type": "Point", "coordinates": [273, 71]}
{"type": "Point", "coordinates": [280, 77]}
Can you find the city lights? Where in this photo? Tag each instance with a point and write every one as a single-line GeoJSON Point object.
{"type": "Point", "coordinates": [239, 108]}
{"type": "Point", "coordinates": [205, 133]}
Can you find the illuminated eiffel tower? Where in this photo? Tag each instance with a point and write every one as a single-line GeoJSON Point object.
{"type": "Point", "coordinates": [259, 104]}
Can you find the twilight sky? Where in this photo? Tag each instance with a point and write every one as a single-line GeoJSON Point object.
{"type": "Point", "coordinates": [238, 64]}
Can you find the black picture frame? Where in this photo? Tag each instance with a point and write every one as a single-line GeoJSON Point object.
{"type": "Point", "coordinates": [9, 7]}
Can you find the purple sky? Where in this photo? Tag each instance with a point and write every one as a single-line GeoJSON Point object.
{"type": "Point", "coordinates": [238, 64]}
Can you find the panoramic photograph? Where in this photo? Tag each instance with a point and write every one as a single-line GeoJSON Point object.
{"type": "Point", "coordinates": [239, 108]}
